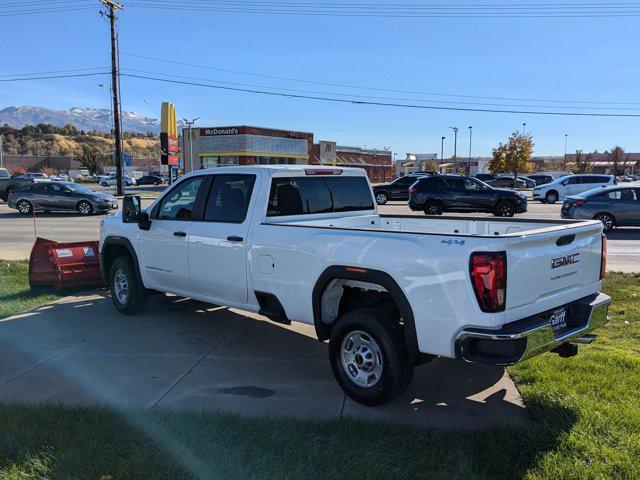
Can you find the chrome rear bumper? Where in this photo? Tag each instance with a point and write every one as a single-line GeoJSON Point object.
{"type": "Point", "coordinates": [532, 336]}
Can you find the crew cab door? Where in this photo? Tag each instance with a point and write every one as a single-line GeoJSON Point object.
{"type": "Point", "coordinates": [218, 244]}
{"type": "Point", "coordinates": [163, 248]}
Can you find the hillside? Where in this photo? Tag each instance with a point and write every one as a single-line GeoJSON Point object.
{"type": "Point", "coordinates": [49, 140]}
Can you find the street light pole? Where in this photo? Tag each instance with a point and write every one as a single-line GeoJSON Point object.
{"type": "Point", "coordinates": [442, 150]}
{"type": "Point", "coordinates": [564, 159]}
{"type": "Point", "coordinates": [102, 85]}
{"type": "Point", "coordinates": [1, 149]}
{"type": "Point", "coordinates": [189, 125]}
{"type": "Point", "coordinates": [470, 137]}
{"type": "Point", "coordinates": [455, 147]}
{"type": "Point", "coordinates": [524, 129]}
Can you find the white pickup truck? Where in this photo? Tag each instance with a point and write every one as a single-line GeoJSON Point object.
{"type": "Point", "coordinates": [307, 244]}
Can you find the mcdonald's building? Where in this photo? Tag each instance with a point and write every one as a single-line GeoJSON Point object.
{"type": "Point", "coordinates": [244, 145]}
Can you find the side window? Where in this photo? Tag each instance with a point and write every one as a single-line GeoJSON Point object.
{"type": "Point", "coordinates": [455, 183]}
{"type": "Point", "coordinates": [308, 195]}
{"type": "Point", "coordinates": [41, 188]}
{"type": "Point", "coordinates": [180, 203]}
{"type": "Point", "coordinates": [574, 180]}
{"type": "Point", "coordinates": [471, 185]}
{"type": "Point", "coordinates": [229, 198]}
{"type": "Point", "coordinates": [57, 189]}
{"type": "Point", "coordinates": [434, 183]}
{"type": "Point", "coordinates": [626, 195]}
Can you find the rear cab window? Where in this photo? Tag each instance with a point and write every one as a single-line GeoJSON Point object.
{"type": "Point", "coordinates": [318, 194]}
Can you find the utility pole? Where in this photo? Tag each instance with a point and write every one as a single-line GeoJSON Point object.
{"type": "Point", "coordinates": [455, 147]}
{"type": "Point", "coordinates": [190, 123]}
{"type": "Point", "coordinates": [1, 149]}
{"type": "Point", "coordinates": [469, 162]}
{"type": "Point", "coordinates": [113, 6]}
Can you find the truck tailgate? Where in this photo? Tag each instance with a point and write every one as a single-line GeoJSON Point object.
{"type": "Point", "coordinates": [553, 266]}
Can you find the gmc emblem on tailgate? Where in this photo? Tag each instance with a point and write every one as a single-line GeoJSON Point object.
{"type": "Point", "coordinates": [565, 260]}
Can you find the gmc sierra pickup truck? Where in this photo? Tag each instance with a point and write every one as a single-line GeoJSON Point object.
{"type": "Point", "coordinates": [307, 244]}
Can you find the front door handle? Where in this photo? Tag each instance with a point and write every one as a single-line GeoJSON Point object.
{"type": "Point", "coordinates": [233, 238]}
{"type": "Point", "coordinates": [179, 234]}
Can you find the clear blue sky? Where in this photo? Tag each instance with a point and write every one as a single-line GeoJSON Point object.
{"type": "Point", "coordinates": [581, 59]}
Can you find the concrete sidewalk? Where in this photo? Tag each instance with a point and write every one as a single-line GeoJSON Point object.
{"type": "Point", "coordinates": [183, 354]}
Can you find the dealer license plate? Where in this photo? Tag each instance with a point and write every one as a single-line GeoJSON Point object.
{"type": "Point", "coordinates": [558, 320]}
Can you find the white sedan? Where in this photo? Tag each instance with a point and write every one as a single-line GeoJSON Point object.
{"type": "Point", "coordinates": [110, 181]}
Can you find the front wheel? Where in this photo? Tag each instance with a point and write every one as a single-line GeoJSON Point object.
{"type": "Point", "coordinates": [127, 292]}
{"type": "Point", "coordinates": [551, 197]}
{"type": "Point", "coordinates": [505, 209]}
{"type": "Point", "coordinates": [381, 198]}
{"type": "Point", "coordinates": [85, 208]}
{"type": "Point", "coordinates": [104, 184]}
{"type": "Point", "coordinates": [368, 356]}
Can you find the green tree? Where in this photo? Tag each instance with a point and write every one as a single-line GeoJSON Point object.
{"type": "Point", "coordinates": [583, 163]}
{"type": "Point", "coordinates": [514, 156]}
{"type": "Point", "coordinates": [618, 160]}
{"type": "Point", "coordinates": [91, 158]}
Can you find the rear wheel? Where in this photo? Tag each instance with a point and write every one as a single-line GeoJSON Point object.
{"type": "Point", "coordinates": [433, 207]}
{"type": "Point", "coordinates": [127, 293]}
{"type": "Point", "coordinates": [552, 197]}
{"type": "Point", "coordinates": [505, 209]}
{"type": "Point", "coordinates": [104, 184]}
{"type": "Point", "coordinates": [368, 356]}
{"type": "Point", "coordinates": [85, 208]}
{"type": "Point", "coordinates": [381, 198]}
{"type": "Point", "coordinates": [608, 222]}
{"type": "Point", "coordinates": [24, 207]}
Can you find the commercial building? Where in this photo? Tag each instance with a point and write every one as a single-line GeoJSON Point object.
{"type": "Point", "coordinates": [603, 163]}
{"type": "Point", "coordinates": [244, 145]}
{"type": "Point", "coordinates": [377, 163]}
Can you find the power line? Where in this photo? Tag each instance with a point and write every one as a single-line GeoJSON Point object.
{"type": "Point", "coordinates": [45, 10]}
{"type": "Point", "coordinates": [53, 77]}
{"type": "Point", "coordinates": [53, 71]}
{"type": "Point", "coordinates": [371, 97]}
{"type": "Point", "coordinates": [382, 104]}
{"type": "Point", "coordinates": [362, 87]}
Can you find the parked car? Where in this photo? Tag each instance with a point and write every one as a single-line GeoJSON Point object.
{"type": "Point", "coordinates": [60, 177]}
{"type": "Point", "coordinates": [436, 195]}
{"type": "Point", "coordinates": [111, 180]}
{"type": "Point", "coordinates": [485, 177]}
{"type": "Point", "coordinates": [541, 178]}
{"type": "Point", "coordinates": [34, 176]}
{"type": "Point", "coordinates": [613, 206]}
{"type": "Point", "coordinates": [11, 183]}
{"type": "Point", "coordinates": [388, 292]}
{"type": "Point", "coordinates": [51, 196]}
{"type": "Point", "coordinates": [570, 185]}
{"type": "Point", "coordinates": [149, 180]}
{"type": "Point", "coordinates": [397, 189]}
{"type": "Point", "coordinates": [508, 182]}
{"type": "Point", "coordinates": [4, 173]}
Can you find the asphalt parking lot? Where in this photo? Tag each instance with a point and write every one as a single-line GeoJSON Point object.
{"type": "Point", "coordinates": [17, 232]}
{"type": "Point", "coordinates": [185, 355]}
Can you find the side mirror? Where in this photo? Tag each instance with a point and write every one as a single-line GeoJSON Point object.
{"type": "Point", "coordinates": [130, 208]}
{"type": "Point", "coordinates": [144, 221]}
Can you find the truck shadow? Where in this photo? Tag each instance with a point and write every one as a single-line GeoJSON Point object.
{"type": "Point", "coordinates": [160, 372]}
{"type": "Point", "coordinates": [624, 234]}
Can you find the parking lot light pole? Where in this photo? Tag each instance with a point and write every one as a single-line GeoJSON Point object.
{"type": "Point", "coordinates": [189, 125]}
{"type": "Point", "coordinates": [470, 137]}
{"type": "Point", "coordinates": [455, 147]}
{"type": "Point", "coordinates": [442, 150]}
{"type": "Point", "coordinates": [1, 151]}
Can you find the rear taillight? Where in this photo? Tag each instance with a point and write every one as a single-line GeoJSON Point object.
{"type": "Point", "coordinates": [577, 203]}
{"type": "Point", "coordinates": [413, 190]}
{"type": "Point", "coordinates": [489, 278]}
{"type": "Point", "coordinates": [603, 258]}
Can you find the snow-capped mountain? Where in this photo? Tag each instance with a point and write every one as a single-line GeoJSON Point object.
{"type": "Point", "coordinates": [82, 118]}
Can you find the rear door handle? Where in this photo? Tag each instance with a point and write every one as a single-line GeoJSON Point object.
{"type": "Point", "coordinates": [179, 234]}
{"type": "Point", "coordinates": [233, 238]}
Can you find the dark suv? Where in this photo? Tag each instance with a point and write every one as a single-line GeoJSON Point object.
{"type": "Point", "coordinates": [397, 189]}
{"type": "Point", "coordinates": [436, 195]}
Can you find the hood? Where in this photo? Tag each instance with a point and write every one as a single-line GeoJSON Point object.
{"type": "Point", "coordinates": [101, 195]}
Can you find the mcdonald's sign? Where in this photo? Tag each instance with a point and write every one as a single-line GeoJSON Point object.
{"type": "Point", "coordinates": [169, 143]}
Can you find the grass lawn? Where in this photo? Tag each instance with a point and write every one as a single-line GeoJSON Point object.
{"type": "Point", "coordinates": [15, 294]}
{"type": "Point", "coordinates": [586, 413]}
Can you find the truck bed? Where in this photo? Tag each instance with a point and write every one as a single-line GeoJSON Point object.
{"type": "Point", "coordinates": [449, 226]}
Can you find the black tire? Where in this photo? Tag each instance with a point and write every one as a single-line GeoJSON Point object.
{"type": "Point", "coordinates": [25, 207]}
{"type": "Point", "coordinates": [136, 297]}
{"type": "Point", "coordinates": [382, 198]}
{"type": "Point", "coordinates": [104, 184]}
{"type": "Point", "coordinates": [608, 221]}
{"type": "Point", "coordinates": [156, 183]}
{"type": "Point", "coordinates": [387, 334]}
{"type": "Point", "coordinates": [505, 209]}
{"type": "Point", "coordinates": [433, 207]}
{"type": "Point", "coordinates": [552, 197]}
{"type": "Point", "coordinates": [84, 208]}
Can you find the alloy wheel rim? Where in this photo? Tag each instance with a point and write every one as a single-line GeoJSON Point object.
{"type": "Point", "coordinates": [361, 359]}
{"type": "Point", "coordinates": [381, 198]}
{"type": "Point", "coordinates": [23, 207]}
{"type": "Point", "coordinates": [607, 221]}
{"type": "Point", "coordinates": [84, 208]}
{"type": "Point", "coordinates": [121, 287]}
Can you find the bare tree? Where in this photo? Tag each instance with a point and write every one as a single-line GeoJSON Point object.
{"type": "Point", "coordinates": [583, 163]}
{"type": "Point", "coordinates": [618, 160]}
